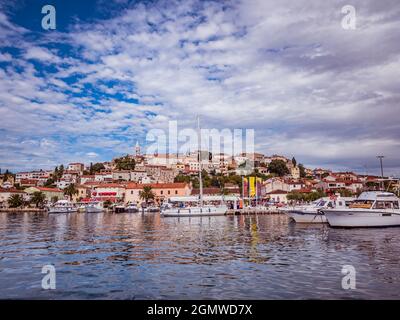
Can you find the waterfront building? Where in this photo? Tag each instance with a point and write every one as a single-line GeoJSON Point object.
{"type": "Point", "coordinates": [49, 193]}
{"type": "Point", "coordinates": [5, 194]}
{"type": "Point", "coordinates": [279, 196]}
{"type": "Point", "coordinates": [114, 192]}
{"type": "Point", "coordinates": [162, 191]}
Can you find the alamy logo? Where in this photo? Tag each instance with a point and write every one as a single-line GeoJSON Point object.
{"type": "Point", "coordinates": [49, 20]}
{"type": "Point", "coordinates": [49, 280]}
{"type": "Point", "coordinates": [349, 279]}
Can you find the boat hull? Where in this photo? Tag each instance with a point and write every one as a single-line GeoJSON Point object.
{"type": "Point", "coordinates": [62, 210]}
{"type": "Point", "coordinates": [360, 219]}
{"type": "Point", "coordinates": [195, 212]}
{"type": "Point", "coordinates": [306, 217]}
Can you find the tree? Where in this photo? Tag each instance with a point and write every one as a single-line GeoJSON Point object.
{"type": "Point", "coordinates": [70, 191]}
{"type": "Point", "coordinates": [302, 170]}
{"type": "Point", "coordinates": [49, 182]}
{"type": "Point", "coordinates": [97, 167]}
{"type": "Point", "coordinates": [15, 201]}
{"type": "Point", "coordinates": [146, 194]}
{"type": "Point", "coordinates": [125, 163]}
{"type": "Point", "coordinates": [38, 198]}
{"type": "Point", "coordinates": [294, 162]}
{"type": "Point", "coordinates": [54, 199]}
{"type": "Point", "coordinates": [278, 167]}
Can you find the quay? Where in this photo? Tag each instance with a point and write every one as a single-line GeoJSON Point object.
{"type": "Point", "coordinates": [23, 210]}
{"type": "Point", "coordinates": [251, 211]}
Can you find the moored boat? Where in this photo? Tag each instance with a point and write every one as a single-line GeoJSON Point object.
{"type": "Point", "coordinates": [370, 209]}
{"type": "Point", "coordinates": [63, 206]}
{"type": "Point", "coordinates": [313, 213]}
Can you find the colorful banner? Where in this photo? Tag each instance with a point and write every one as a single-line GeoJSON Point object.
{"type": "Point", "coordinates": [252, 183]}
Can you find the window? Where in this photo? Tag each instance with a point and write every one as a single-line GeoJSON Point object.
{"type": "Point", "coordinates": [169, 192]}
{"type": "Point", "coordinates": [395, 205]}
{"type": "Point", "coordinates": [383, 205]}
{"type": "Point", "coordinates": [162, 192]}
{"type": "Point", "coordinates": [176, 191]}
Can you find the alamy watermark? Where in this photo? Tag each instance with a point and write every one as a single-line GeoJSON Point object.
{"type": "Point", "coordinates": [49, 20]}
{"type": "Point", "coordinates": [174, 141]}
{"type": "Point", "coordinates": [49, 280]}
{"type": "Point", "coordinates": [349, 279]}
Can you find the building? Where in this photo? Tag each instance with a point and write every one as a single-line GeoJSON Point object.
{"type": "Point", "coordinates": [50, 193]}
{"type": "Point", "coordinates": [32, 175]}
{"type": "Point", "coordinates": [121, 175]}
{"type": "Point", "coordinates": [76, 167]}
{"type": "Point", "coordinates": [114, 192]}
{"type": "Point", "coordinates": [162, 191]}
{"type": "Point", "coordinates": [5, 194]}
{"type": "Point", "coordinates": [279, 196]}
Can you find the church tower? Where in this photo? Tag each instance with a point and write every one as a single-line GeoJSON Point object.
{"type": "Point", "coordinates": [137, 149]}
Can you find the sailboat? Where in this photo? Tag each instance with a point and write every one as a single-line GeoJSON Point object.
{"type": "Point", "coordinates": [171, 209]}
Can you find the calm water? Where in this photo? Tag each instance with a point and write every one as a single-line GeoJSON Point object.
{"type": "Point", "coordinates": [130, 256]}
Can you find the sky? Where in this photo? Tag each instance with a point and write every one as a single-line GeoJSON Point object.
{"type": "Point", "coordinates": [113, 70]}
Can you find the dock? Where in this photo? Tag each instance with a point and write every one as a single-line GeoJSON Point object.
{"type": "Point", "coordinates": [23, 210]}
{"type": "Point", "coordinates": [251, 211]}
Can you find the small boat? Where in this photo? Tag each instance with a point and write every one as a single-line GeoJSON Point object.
{"type": "Point", "coordinates": [119, 208]}
{"type": "Point", "coordinates": [131, 208]}
{"type": "Point", "coordinates": [152, 209]}
{"type": "Point", "coordinates": [313, 213]}
{"type": "Point", "coordinates": [94, 207]}
{"type": "Point", "coordinates": [370, 209]}
{"type": "Point", "coordinates": [63, 206]}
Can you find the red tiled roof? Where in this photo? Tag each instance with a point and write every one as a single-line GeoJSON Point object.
{"type": "Point", "coordinates": [278, 192]}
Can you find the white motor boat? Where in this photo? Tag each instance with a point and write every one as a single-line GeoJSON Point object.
{"type": "Point", "coordinates": [63, 206]}
{"type": "Point", "coordinates": [313, 213]}
{"type": "Point", "coordinates": [94, 207]}
{"type": "Point", "coordinates": [152, 209]}
{"type": "Point", "coordinates": [370, 209]}
{"type": "Point", "coordinates": [131, 208]}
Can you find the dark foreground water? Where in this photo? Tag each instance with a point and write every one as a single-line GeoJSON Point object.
{"type": "Point", "coordinates": [130, 256]}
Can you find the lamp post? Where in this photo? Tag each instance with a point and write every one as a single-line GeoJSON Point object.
{"type": "Point", "coordinates": [380, 160]}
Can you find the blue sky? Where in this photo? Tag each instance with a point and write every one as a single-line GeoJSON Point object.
{"type": "Point", "coordinates": [113, 70]}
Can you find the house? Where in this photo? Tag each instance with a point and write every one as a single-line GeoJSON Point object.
{"type": "Point", "coordinates": [279, 196]}
{"type": "Point", "coordinates": [103, 176]}
{"type": "Point", "coordinates": [76, 167]}
{"type": "Point", "coordinates": [83, 191]}
{"type": "Point", "coordinates": [28, 182]}
{"type": "Point", "coordinates": [162, 191]}
{"type": "Point", "coordinates": [114, 192]}
{"type": "Point", "coordinates": [50, 193]}
{"type": "Point", "coordinates": [5, 194]}
{"type": "Point", "coordinates": [87, 178]}
{"type": "Point", "coordinates": [275, 184]}
{"type": "Point", "coordinates": [121, 175]}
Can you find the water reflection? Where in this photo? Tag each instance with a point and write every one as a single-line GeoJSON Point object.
{"type": "Point", "coordinates": [135, 256]}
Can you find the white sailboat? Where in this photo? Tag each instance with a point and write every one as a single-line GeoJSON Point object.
{"type": "Point", "coordinates": [186, 210]}
{"type": "Point", "coordinates": [371, 209]}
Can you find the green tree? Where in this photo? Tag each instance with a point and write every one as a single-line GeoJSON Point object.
{"type": "Point", "coordinates": [302, 170]}
{"type": "Point", "coordinates": [97, 167]}
{"type": "Point", "coordinates": [146, 194]}
{"type": "Point", "coordinates": [70, 191]}
{"type": "Point", "coordinates": [49, 182]}
{"type": "Point", "coordinates": [125, 163]}
{"type": "Point", "coordinates": [38, 198]}
{"type": "Point", "coordinates": [54, 199]}
{"type": "Point", "coordinates": [15, 201]}
{"type": "Point", "coordinates": [278, 167]}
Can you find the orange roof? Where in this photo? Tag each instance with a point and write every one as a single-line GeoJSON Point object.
{"type": "Point", "coordinates": [48, 189]}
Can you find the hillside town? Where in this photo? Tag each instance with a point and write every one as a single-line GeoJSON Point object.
{"type": "Point", "coordinates": [122, 180]}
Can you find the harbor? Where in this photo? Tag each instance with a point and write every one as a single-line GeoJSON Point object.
{"type": "Point", "coordinates": [135, 256]}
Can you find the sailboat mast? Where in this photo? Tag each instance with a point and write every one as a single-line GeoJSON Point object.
{"type": "Point", "coordinates": [199, 157]}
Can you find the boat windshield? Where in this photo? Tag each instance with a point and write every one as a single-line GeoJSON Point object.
{"type": "Point", "coordinates": [362, 204]}
{"type": "Point", "coordinates": [386, 205]}
{"type": "Point", "coordinates": [322, 203]}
